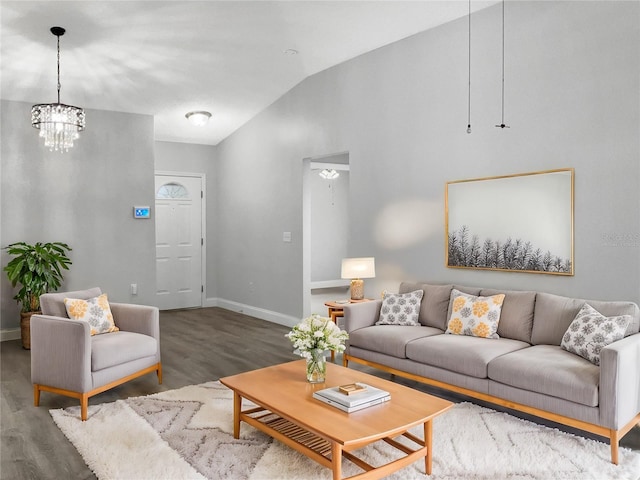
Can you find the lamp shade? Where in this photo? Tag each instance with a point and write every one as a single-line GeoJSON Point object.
{"type": "Point", "coordinates": [364, 267]}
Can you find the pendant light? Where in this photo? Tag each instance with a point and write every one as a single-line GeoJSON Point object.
{"type": "Point", "coordinates": [59, 124]}
{"type": "Point", "coordinates": [502, 124]}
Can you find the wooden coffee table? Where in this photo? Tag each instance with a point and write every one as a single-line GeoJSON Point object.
{"type": "Point", "coordinates": [287, 412]}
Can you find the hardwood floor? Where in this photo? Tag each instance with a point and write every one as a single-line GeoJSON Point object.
{"type": "Point", "coordinates": [197, 345]}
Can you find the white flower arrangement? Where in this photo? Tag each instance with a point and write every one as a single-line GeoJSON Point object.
{"type": "Point", "coordinates": [317, 334]}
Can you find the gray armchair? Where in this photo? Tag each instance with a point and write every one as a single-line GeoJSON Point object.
{"type": "Point", "coordinates": [67, 360]}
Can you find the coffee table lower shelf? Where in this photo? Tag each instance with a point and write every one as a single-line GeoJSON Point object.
{"type": "Point", "coordinates": [330, 453]}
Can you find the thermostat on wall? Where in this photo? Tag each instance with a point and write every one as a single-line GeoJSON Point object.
{"type": "Point", "coordinates": [141, 212]}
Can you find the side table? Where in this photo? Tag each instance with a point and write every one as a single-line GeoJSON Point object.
{"type": "Point", "coordinates": [336, 310]}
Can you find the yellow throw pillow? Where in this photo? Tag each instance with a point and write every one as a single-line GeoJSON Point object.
{"type": "Point", "coordinates": [474, 316]}
{"type": "Point", "coordinates": [95, 311]}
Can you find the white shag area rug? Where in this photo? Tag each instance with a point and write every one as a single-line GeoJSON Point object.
{"type": "Point", "coordinates": [188, 434]}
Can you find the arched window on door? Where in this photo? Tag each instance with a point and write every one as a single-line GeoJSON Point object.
{"type": "Point", "coordinates": [172, 190]}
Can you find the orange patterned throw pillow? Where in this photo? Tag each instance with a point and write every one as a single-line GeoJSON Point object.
{"type": "Point", "coordinates": [474, 316]}
{"type": "Point", "coordinates": [95, 311]}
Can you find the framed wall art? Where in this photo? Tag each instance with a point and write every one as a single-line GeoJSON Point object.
{"type": "Point", "coordinates": [521, 222]}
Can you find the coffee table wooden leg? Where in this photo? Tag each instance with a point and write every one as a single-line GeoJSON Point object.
{"type": "Point", "coordinates": [336, 460]}
{"type": "Point", "coordinates": [428, 434]}
{"type": "Point", "coordinates": [237, 405]}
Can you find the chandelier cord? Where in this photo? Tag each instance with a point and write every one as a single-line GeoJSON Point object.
{"type": "Point", "coordinates": [469, 97]}
{"type": "Point", "coordinates": [58, 68]}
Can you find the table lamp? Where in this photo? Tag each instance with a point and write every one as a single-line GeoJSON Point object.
{"type": "Point", "coordinates": [356, 269]}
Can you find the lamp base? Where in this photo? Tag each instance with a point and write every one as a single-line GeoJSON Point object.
{"type": "Point", "coordinates": [357, 289]}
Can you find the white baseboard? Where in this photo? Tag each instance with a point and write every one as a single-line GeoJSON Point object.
{"type": "Point", "coordinates": [261, 313]}
{"type": "Point", "coordinates": [9, 334]}
{"type": "Point", "coordinates": [210, 302]}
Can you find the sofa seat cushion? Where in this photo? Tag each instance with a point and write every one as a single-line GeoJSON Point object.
{"type": "Point", "coordinates": [549, 370]}
{"type": "Point", "coordinates": [460, 353]}
{"type": "Point", "coordinates": [389, 339]}
{"type": "Point", "coordinates": [115, 348]}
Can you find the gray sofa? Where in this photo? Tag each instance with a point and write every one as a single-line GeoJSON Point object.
{"type": "Point", "coordinates": [525, 369]}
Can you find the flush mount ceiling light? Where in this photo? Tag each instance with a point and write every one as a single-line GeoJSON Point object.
{"type": "Point", "coordinates": [59, 124]}
{"type": "Point", "coordinates": [329, 174]}
{"type": "Point", "coordinates": [199, 118]}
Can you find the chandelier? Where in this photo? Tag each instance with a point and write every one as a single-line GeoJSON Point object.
{"type": "Point", "coordinates": [59, 124]}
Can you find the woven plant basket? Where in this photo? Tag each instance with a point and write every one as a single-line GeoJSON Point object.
{"type": "Point", "coordinates": [25, 329]}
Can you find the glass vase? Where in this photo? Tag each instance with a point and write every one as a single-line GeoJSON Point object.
{"type": "Point", "coordinates": [316, 367]}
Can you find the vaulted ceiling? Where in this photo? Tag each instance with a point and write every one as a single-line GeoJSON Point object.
{"type": "Point", "coordinates": [166, 58]}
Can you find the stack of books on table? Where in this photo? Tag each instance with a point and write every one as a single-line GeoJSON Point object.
{"type": "Point", "coordinates": [353, 397]}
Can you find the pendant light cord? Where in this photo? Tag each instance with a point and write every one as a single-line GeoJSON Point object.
{"type": "Point", "coordinates": [503, 62]}
{"type": "Point", "coordinates": [469, 98]}
{"type": "Point", "coordinates": [502, 125]}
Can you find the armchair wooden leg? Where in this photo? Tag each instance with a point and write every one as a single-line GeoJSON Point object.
{"type": "Point", "coordinates": [159, 372]}
{"type": "Point", "coordinates": [84, 405]}
{"type": "Point", "coordinates": [36, 394]}
{"type": "Point", "coordinates": [614, 440]}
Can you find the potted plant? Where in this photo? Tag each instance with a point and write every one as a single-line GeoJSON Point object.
{"type": "Point", "coordinates": [38, 269]}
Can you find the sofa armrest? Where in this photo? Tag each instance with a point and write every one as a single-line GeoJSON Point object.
{"type": "Point", "coordinates": [61, 353]}
{"type": "Point", "coordinates": [619, 382]}
{"type": "Point", "coordinates": [360, 315]}
{"type": "Point", "coordinates": [143, 319]}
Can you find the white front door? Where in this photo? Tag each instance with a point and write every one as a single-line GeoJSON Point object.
{"type": "Point", "coordinates": [178, 242]}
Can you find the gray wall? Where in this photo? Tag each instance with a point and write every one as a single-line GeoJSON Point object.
{"type": "Point", "coordinates": [85, 198]}
{"type": "Point", "coordinates": [191, 158]}
{"type": "Point", "coordinates": [572, 100]}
